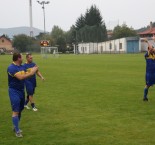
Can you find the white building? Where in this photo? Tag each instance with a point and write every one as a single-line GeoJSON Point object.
{"type": "Point", "coordinates": [123, 45]}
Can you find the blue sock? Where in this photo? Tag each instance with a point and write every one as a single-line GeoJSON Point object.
{"type": "Point", "coordinates": [15, 121]}
{"type": "Point", "coordinates": [145, 92]}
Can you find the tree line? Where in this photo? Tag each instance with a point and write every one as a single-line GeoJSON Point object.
{"type": "Point", "coordinates": [89, 27]}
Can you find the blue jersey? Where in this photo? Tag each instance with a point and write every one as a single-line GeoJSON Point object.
{"type": "Point", "coordinates": [13, 82]}
{"type": "Point", "coordinates": [32, 79]}
{"type": "Point", "coordinates": [150, 62]}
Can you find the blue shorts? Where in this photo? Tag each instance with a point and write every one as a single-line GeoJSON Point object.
{"type": "Point", "coordinates": [17, 99]}
{"type": "Point", "coordinates": [150, 79]}
{"type": "Point", "coordinates": [30, 89]}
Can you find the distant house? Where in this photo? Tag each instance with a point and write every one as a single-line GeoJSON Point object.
{"type": "Point", "coordinates": [5, 44]}
{"type": "Point", "coordinates": [150, 32]}
{"type": "Point", "coordinates": [110, 34]}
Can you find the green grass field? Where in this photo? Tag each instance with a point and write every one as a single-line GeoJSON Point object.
{"type": "Point", "coordinates": [85, 100]}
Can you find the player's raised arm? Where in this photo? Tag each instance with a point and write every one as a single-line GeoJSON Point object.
{"type": "Point", "coordinates": [23, 76]}
{"type": "Point", "coordinates": [149, 45]}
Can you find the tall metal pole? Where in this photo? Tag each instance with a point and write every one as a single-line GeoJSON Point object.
{"type": "Point", "coordinates": [44, 18]}
{"type": "Point", "coordinates": [43, 7]}
{"type": "Point", "coordinates": [31, 23]}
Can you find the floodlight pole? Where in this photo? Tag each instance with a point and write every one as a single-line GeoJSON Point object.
{"type": "Point", "coordinates": [30, 12]}
{"type": "Point", "coordinates": [43, 7]}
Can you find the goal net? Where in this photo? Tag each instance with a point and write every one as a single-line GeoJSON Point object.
{"type": "Point", "coordinates": [49, 51]}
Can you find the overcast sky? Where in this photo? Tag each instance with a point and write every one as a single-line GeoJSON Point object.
{"type": "Point", "coordinates": [64, 13]}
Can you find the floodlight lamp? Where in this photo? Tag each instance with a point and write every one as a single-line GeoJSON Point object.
{"type": "Point", "coordinates": [47, 2]}
{"type": "Point", "coordinates": [38, 2]}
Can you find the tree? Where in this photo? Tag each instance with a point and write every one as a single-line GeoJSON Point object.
{"type": "Point", "coordinates": [80, 22]}
{"type": "Point", "coordinates": [90, 27]}
{"type": "Point", "coordinates": [57, 32]}
{"type": "Point", "coordinates": [70, 37]}
{"type": "Point", "coordinates": [58, 36]}
{"type": "Point", "coordinates": [93, 16]}
{"type": "Point", "coordinates": [61, 44]}
{"type": "Point", "coordinates": [123, 31]}
{"type": "Point", "coordinates": [153, 24]}
{"type": "Point", "coordinates": [22, 42]}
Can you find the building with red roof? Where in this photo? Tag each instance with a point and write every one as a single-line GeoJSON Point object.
{"type": "Point", "coordinates": [150, 32]}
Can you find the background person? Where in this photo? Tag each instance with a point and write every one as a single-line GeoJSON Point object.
{"type": "Point", "coordinates": [30, 83]}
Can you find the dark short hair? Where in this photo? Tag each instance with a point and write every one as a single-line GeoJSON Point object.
{"type": "Point", "coordinates": [28, 54]}
{"type": "Point", "coordinates": [16, 56]}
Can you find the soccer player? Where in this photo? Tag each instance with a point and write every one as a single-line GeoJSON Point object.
{"type": "Point", "coordinates": [30, 83]}
{"type": "Point", "coordinates": [16, 76]}
{"type": "Point", "coordinates": [150, 69]}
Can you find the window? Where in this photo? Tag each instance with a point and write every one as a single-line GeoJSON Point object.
{"type": "Point", "coordinates": [2, 40]}
{"type": "Point", "coordinates": [120, 45]}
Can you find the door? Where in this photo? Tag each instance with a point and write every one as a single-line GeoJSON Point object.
{"type": "Point", "coordinates": [132, 46]}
